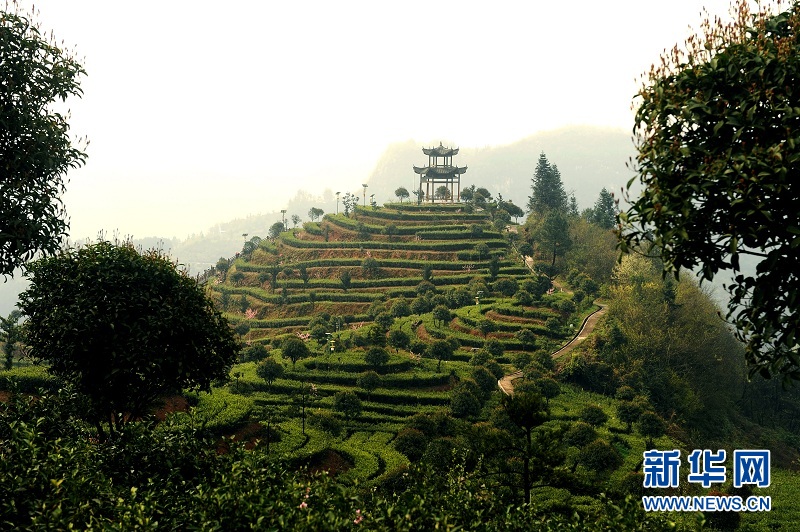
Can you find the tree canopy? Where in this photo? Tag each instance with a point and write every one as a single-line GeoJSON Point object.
{"type": "Point", "coordinates": [547, 190]}
{"type": "Point", "coordinates": [719, 159]}
{"type": "Point", "coordinates": [35, 147]}
{"type": "Point", "coordinates": [124, 327]}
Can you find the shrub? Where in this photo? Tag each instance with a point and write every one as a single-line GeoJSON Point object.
{"type": "Point", "coordinates": [412, 443]}
{"type": "Point", "coordinates": [593, 415]}
{"type": "Point", "coordinates": [600, 456]}
{"type": "Point", "coordinates": [580, 434]}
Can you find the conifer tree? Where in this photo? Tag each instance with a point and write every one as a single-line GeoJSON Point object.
{"type": "Point", "coordinates": [547, 190]}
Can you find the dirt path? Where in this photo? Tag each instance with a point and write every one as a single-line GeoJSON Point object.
{"type": "Point", "coordinates": [507, 383]}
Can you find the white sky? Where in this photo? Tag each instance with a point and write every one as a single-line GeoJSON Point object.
{"type": "Point", "coordinates": [200, 112]}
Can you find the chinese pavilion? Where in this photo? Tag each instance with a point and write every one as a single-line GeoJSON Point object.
{"type": "Point", "coordinates": [440, 171]}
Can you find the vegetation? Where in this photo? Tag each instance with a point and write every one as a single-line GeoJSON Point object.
{"type": "Point", "coordinates": [717, 156]}
{"type": "Point", "coordinates": [35, 147]}
{"type": "Point", "coordinates": [124, 328]}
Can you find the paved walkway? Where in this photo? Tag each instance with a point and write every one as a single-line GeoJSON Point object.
{"type": "Point", "coordinates": [507, 383]}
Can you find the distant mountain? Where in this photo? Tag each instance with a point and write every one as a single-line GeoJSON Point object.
{"type": "Point", "coordinates": [589, 158]}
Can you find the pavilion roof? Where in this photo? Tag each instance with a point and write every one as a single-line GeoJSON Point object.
{"type": "Point", "coordinates": [440, 151]}
{"type": "Point", "coordinates": [440, 170]}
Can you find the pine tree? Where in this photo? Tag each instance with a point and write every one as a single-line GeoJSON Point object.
{"type": "Point", "coordinates": [604, 212]}
{"type": "Point", "coordinates": [547, 190]}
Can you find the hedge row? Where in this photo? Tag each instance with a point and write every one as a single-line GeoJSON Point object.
{"type": "Point", "coordinates": [354, 367]}
{"type": "Point", "coordinates": [348, 261]}
{"type": "Point", "coordinates": [402, 230]}
{"type": "Point", "coordinates": [289, 240]}
{"type": "Point", "coordinates": [454, 234]}
{"type": "Point", "coordinates": [404, 214]}
{"type": "Point", "coordinates": [343, 378]}
{"type": "Point", "coordinates": [537, 313]}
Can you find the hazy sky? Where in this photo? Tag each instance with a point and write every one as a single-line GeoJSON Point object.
{"type": "Point", "coordinates": [200, 112]}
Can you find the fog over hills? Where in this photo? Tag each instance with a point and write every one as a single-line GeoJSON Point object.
{"type": "Point", "coordinates": [589, 158]}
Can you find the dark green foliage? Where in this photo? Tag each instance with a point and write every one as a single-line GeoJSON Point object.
{"type": "Point", "coordinates": [507, 286]}
{"type": "Point", "coordinates": [440, 350]}
{"type": "Point", "coordinates": [294, 349]}
{"type": "Point", "coordinates": [464, 400]}
{"type": "Point", "coordinates": [254, 353]}
{"type": "Point", "coordinates": [369, 381]}
{"type": "Point", "coordinates": [604, 212]}
{"type": "Point", "coordinates": [494, 347]}
{"type": "Point", "coordinates": [348, 404]}
{"type": "Point", "coordinates": [580, 434]}
{"type": "Point", "coordinates": [125, 328]}
{"type": "Point", "coordinates": [401, 193]}
{"type": "Point", "coordinates": [346, 280]}
{"type": "Point", "coordinates": [651, 426]}
{"type": "Point", "coordinates": [376, 357]}
{"type": "Point", "coordinates": [485, 380]}
{"type": "Point", "coordinates": [548, 387]}
{"type": "Point", "coordinates": [411, 442]}
{"type": "Point", "coordinates": [600, 456]}
{"type": "Point", "coordinates": [485, 326]}
{"type": "Point", "coordinates": [717, 162]}
{"type": "Point", "coordinates": [552, 236]}
{"type": "Point", "coordinates": [593, 415]}
{"type": "Point", "coordinates": [441, 314]}
{"type": "Point", "coordinates": [399, 339]}
{"type": "Point", "coordinates": [11, 332]}
{"type": "Point", "coordinates": [526, 338]}
{"type": "Point", "coordinates": [35, 146]}
{"type": "Point", "coordinates": [547, 190]}
{"type": "Point", "coordinates": [325, 421]}
{"type": "Point", "coordinates": [315, 213]}
{"type": "Point", "coordinates": [401, 308]}
{"type": "Point", "coordinates": [370, 267]}
{"type": "Point", "coordinates": [59, 479]}
{"type": "Point", "coordinates": [628, 412]}
{"type": "Point", "coordinates": [270, 370]}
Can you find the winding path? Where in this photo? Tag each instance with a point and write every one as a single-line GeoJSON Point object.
{"type": "Point", "coordinates": [507, 383]}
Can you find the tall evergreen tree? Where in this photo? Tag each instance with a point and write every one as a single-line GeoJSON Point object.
{"type": "Point", "coordinates": [547, 190]}
{"type": "Point", "coordinates": [604, 211]}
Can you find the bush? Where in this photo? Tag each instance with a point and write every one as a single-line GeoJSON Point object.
{"type": "Point", "coordinates": [580, 434]}
{"type": "Point", "coordinates": [600, 456]}
{"type": "Point", "coordinates": [412, 443]}
{"type": "Point", "coordinates": [593, 415]}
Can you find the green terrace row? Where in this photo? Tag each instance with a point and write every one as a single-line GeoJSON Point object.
{"type": "Point", "coordinates": [350, 261]}
{"type": "Point", "coordinates": [443, 231]}
{"type": "Point", "coordinates": [395, 213]}
{"type": "Point", "coordinates": [388, 282]}
{"type": "Point", "coordinates": [289, 240]}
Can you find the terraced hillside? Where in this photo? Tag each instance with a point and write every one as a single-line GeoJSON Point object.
{"type": "Point", "coordinates": [393, 306]}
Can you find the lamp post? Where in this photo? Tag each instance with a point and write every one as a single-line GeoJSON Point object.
{"type": "Point", "coordinates": [283, 219]}
{"type": "Point", "coordinates": [365, 193]}
{"type": "Point", "coordinates": [337, 202]}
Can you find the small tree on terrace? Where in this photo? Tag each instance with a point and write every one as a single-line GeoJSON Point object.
{"type": "Point", "coordinates": [132, 330]}
{"type": "Point", "coordinates": [440, 350]}
{"type": "Point", "coordinates": [376, 357]}
{"type": "Point", "coordinates": [294, 349]}
{"type": "Point", "coordinates": [401, 193]}
{"type": "Point", "coordinates": [348, 404]}
{"type": "Point", "coordinates": [399, 339]}
{"type": "Point", "coordinates": [269, 370]}
{"type": "Point", "coordinates": [442, 193]}
{"type": "Point", "coordinates": [441, 314]}
{"type": "Point", "coordinates": [276, 229]}
{"type": "Point", "coordinates": [315, 213]}
{"type": "Point", "coordinates": [295, 220]}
